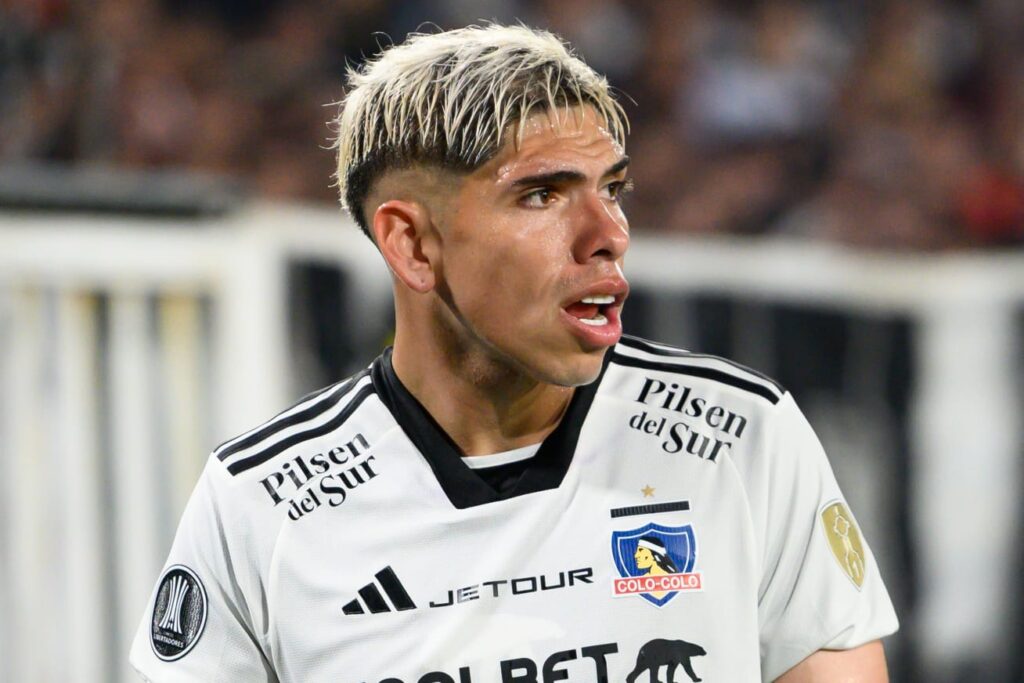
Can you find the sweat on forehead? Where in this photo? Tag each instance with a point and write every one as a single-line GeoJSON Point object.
{"type": "Point", "coordinates": [451, 99]}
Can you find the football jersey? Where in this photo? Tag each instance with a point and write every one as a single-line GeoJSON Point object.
{"type": "Point", "coordinates": [680, 523]}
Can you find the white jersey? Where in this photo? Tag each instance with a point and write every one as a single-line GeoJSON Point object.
{"type": "Point", "coordinates": [682, 520]}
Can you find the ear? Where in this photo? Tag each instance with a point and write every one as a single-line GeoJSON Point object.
{"type": "Point", "coordinates": [401, 228]}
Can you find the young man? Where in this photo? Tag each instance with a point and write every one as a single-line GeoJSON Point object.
{"type": "Point", "coordinates": [472, 506]}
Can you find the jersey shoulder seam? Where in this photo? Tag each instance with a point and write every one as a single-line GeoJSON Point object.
{"type": "Point", "coordinates": [317, 414]}
{"type": "Point", "coordinates": [641, 353]}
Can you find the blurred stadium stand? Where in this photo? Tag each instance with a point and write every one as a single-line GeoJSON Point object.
{"type": "Point", "coordinates": [882, 124]}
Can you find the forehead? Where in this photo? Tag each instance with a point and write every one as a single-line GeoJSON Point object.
{"type": "Point", "coordinates": [562, 138]}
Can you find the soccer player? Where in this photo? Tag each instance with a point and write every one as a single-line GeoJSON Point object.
{"type": "Point", "coordinates": [471, 506]}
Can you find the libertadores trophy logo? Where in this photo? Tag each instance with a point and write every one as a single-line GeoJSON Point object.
{"type": "Point", "coordinates": [655, 562]}
{"type": "Point", "coordinates": [179, 613]}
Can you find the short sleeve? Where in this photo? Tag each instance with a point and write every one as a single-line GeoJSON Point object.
{"type": "Point", "coordinates": [198, 625]}
{"type": "Point", "coordinates": [820, 585]}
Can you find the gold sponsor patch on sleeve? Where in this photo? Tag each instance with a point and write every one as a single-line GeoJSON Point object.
{"type": "Point", "coordinates": [844, 540]}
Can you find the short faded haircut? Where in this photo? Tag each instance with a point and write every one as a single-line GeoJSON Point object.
{"type": "Point", "coordinates": [448, 99]}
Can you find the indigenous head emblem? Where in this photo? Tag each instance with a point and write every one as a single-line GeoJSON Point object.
{"type": "Point", "coordinates": [655, 562]}
{"type": "Point", "coordinates": [844, 540]}
{"type": "Point", "coordinates": [179, 613]}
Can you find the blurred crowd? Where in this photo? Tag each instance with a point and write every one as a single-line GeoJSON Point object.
{"type": "Point", "coordinates": [895, 125]}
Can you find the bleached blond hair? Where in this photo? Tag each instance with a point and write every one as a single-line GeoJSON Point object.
{"type": "Point", "coordinates": [450, 99]}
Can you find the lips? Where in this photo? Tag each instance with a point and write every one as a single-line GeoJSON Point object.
{"type": "Point", "coordinates": [591, 310]}
{"type": "Point", "coordinates": [593, 314]}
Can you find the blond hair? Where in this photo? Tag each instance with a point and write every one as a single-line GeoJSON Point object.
{"type": "Point", "coordinates": [448, 99]}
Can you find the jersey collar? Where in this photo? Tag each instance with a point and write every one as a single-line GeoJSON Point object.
{"type": "Point", "coordinates": [464, 487]}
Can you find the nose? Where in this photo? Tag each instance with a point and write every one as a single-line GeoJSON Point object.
{"type": "Point", "coordinates": [603, 231]}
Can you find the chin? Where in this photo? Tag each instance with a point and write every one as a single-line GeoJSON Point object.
{"type": "Point", "coordinates": [576, 372]}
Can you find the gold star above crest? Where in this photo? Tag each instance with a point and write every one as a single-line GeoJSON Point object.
{"type": "Point", "coordinates": [648, 491]}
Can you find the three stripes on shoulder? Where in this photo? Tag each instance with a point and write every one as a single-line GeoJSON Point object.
{"type": "Point", "coordinates": [315, 415]}
{"type": "Point", "coordinates": [640, 353]}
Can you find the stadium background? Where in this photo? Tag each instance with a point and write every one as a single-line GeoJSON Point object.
{"type": "Point", "coordinates": [831, 192]}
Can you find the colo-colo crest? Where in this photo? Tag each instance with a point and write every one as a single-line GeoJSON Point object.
{"type": "Point", "coordinates": [655, 562]}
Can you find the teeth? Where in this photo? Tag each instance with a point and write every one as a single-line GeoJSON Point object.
{"type": "Point", "coordinates": [607, 299]}
{"type": "Point", "coordinates": [596, 321]}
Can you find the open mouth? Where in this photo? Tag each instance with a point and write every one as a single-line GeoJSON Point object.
{"type": "Point", "coordinates": [591, 310]}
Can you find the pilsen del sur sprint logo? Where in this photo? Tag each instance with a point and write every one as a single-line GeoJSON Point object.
{"type": "Point", "coordinates": [655, 562]}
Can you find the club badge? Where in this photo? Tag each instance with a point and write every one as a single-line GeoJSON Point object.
{"type": "Point", "coordinates": [655, 562]}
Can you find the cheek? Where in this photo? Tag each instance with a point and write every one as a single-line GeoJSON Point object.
{"type": "Point", "coordinates": [508, 267]}
{"type": "Point", "coordinates": [526, 259]}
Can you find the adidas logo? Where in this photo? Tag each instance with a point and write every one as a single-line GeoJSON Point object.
{"type": "Point", "coordinates": [374, 601]}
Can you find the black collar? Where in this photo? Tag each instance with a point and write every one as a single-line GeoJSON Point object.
{"type": "Point", "coordinates": [464, 487]}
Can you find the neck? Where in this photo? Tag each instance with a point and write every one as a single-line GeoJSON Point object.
{"type": "Point", "coordinates": [486, 406]}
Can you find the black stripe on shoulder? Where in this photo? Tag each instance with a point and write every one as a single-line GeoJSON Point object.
{"type": "Point", "coordinates": [698, 371]}
{"type": "Point", "coordinates": [649, 347]}
{"type": "Point", "coordinates": [275, 425]}
{"type": "Point", "coordinates": [259, 458]}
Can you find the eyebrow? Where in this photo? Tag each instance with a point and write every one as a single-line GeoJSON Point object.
{"type": "Point", "coordinates": [558, 177]}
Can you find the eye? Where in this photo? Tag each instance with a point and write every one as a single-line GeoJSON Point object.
{"type": "Point", "coordinates": [619, 189]}
{"type": "Point", "coordinates": [538, 198]}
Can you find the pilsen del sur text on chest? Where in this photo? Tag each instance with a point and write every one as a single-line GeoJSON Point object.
{"type": "Point", "coordinates": [334, 473]}
{"type": "Point", "coordinates": [686, 436]}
